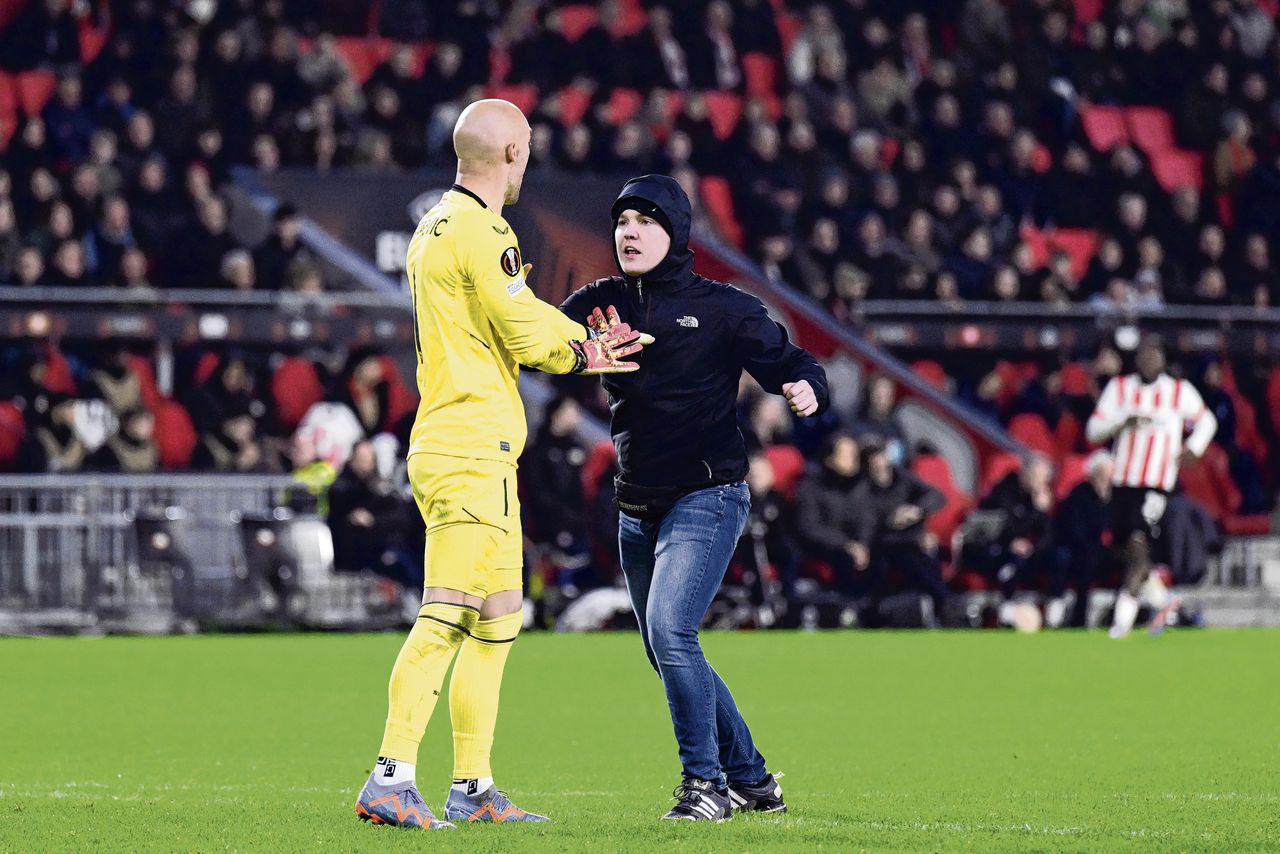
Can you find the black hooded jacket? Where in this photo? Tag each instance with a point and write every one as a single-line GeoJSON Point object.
{"type": "Point", "coordinates": [674, 421]}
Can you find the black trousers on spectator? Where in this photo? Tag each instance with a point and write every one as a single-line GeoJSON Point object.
{"type": "Point", "coordinates": [849, 580]}
{"type": "Point", "coordinates": [906, 565]}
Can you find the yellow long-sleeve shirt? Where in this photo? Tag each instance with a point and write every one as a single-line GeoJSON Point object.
{"type": "Point", "coordinates": [475, 322]}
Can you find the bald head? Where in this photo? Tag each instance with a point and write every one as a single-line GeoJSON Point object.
{"type": "Point", "coordinates": [491, 140]}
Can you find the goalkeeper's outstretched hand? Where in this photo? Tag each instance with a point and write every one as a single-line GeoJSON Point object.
{"type": "Point", "coordinates": [614, 341]}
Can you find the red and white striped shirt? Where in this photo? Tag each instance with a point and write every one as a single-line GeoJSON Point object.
{"type": "Point", "coordinates": [1147, 455]}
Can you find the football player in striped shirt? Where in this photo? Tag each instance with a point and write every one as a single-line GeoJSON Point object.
{"type": "Point", "coordinates": [1145, 416]}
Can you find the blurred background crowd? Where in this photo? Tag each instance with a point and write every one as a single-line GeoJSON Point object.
{"type": "Point", "coordinates": [1121, 155]}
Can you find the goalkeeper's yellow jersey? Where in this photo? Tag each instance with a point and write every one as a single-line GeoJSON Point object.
{"type": "Point", "coordinates": [475, 322]}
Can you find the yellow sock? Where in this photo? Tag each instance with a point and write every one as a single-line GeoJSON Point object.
{"type": "Point", "coordinates": [473, 694]}
{"type": "Point", "coordinates": [418, 674]}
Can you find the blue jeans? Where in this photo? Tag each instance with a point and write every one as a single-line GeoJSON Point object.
{"type": "Point", "coordinates": [673, 570]}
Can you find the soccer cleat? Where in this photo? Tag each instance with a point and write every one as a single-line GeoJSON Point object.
{"type": "Point", "coordinates": [489, 805]}
{"type": "Point", "coordinates": [398, 806]}
{"type": "Point", "coordinates": [698, 800]}
{"type": "Point", "coordinates": [766, 796]}
{"type": "Point", "coordinates": [1164, 617]}
{"type": "Point", "coordinates": [1117, 633]}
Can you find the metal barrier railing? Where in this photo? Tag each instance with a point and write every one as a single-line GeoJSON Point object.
{"type": "Point", "coordinates": [70, 556]}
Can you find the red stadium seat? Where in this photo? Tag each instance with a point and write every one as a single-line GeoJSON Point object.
{"type": "Point", "coordinates": [788, 467]}
{"type": "Point", "coordinates": [931, 372]}
{"type": "Point", "coordinates": [1252, 525]}
{"type": "Point", "coordinates": [1207, 481]}
{"type": "Point", "coordinates": [623, 105]}
{"type": "Point", "coordinates": [1041, 159]}
{"type": "Point", "coordinates": [8, 97]}
{"type": "Point", "coordinates": [574, 103]}
{"type": "Point", "coordinates": [92, 41]}
{"type": "Point", "coordinates": [598, 462]}
{"type": "Point", "coordinates": [523, 95]}
{"type": "Point", "coordinates": [889, 148]}
{"type": "Point", "coordinates": [1150, 128]}
{"type": "Point", "coordinates": [718, 200]}
{"type": "Point", "coordinates": [8, 127]}
{"type": "Point", "coordinates": [1273, 398]}
{"type": "Point", "coordinates": [1104, 127]}
{"type": "Point", "coordinates": [295, 388]}
{"type": "Point", "coordinates": [1177, 168]}
{"type": "Point", "coordinates": [761, 73]}
{"type": "Point", "coordinates": [1031, 430]}
{"type": "Point", "coordinates": [175, 435]}
{"type": "Point", "coordinates": [402, 399]}
{"type": "Point", "coordinates": [1088, 11]}
{"type": "Point", "coordinates": [206, 366]}
{"type": "Point", "coordinates": [998, 465]}
{"type": "Point", "coordinates": [58, 377]}
{"type": "Point", "coordinates": [1079, 243]}
{"type": "Point", "coordinates": [34, 89]}
{"type": "Point", "coordinates": [934, 470]}
{"type": "Point", "coordinates": [361, 54]}
{"type": "Point", "coordinates": [1039, 243]}
{"type": "Point", "coordinates": [12, 428]}
{"type": "Point", "coordinates": [499, 64]}
{"type": "Point", "coordinates": [141, 366]}
{"type": "Point", "coordinates": [1068, 434]}
{"type": "Point", "coordinates": [633, 19]}
{"type": "Point", "coordinates": [422, 52]}
{"type": "Point", "coordinates": [1077, 380]}
{"type": "Point", "coordinates": [723, 111]}
{"type": "Point", "coordinates": [789, 26]}
{"type": "Point", "coordinates": [1070, 474]}
{"type": "Point", "coordinates": [576, 20]}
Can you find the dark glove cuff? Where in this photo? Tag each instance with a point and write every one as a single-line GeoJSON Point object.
{"type": "Point", "coordinates": [580, 355]}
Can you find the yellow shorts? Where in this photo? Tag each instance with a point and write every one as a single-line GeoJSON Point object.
{"type": "Point", "coordinates": [474, 542]}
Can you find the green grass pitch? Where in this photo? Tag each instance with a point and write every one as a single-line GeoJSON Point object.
{"type": "Point", "coordinates": [942, 741]}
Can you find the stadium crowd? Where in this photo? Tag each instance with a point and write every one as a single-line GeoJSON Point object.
{"type": "Point", "coordinates": [1042, 150]}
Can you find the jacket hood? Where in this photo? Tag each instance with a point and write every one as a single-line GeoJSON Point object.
{"type": "Point", "coordinates": [666, 194]}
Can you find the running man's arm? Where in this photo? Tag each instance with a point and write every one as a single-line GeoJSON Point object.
{"type": "Point", "coordinates": [1108, 416]}
{"type": "Point", "coordinates": [768, 355]}
{"type": "Point", "coordinates": [1191, 407]}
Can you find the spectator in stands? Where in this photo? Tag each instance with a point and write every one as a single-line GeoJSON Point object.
{"type": "Point", "coordinates": [1081, 553]}
{"type": "Point", "coordinates": [10, 240]}
{"type": "Point", "coordinates": [829, 523]}
{"type": "Point", "coordinates": [114, 380]}
{"type": "Point", "coordinates": [237, 270]}
{"type": "Point", "coordinates": [131, 450]}
{"type": "Point", "coordinates": [555, 463]}
{"type": "Point", "coordinates": [272, 257]}
{"type": "Point", "coordinates": [28, 268]}
{"type": "Point", "coordinates": [228, 392]}
{"type": "Point", "coordinates": [69, 267]}
{"type": "Point", "coordinates": [878, 424]}
{"type": "Point", "coordinates": [767, 554]}
{"type": "Point", "coordinates": [364, 387]}
{"type": "Point", "coordinates": [304, 276]}
{"type": "Point", "coordinates": [51, 442]}
{"type": "Point", "coordinates": [132, 272]}
{"type": "Point", "coordinates": [1017, 558]}
{"type": "Point", "coordinates": [44, 35]}
{"type": "Point", "coordinates": [370, 522]}
{"type": "Point", "coordinates": [893, 505]}
{"type": "Point", "coordinates": [67, 121]}
{"type": "Point", "coordinates": [235, 446]}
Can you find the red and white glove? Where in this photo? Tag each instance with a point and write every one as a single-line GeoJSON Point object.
{"type": "Point", "coordinates": [614, 340]}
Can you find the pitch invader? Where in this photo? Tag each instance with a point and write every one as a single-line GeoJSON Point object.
{"type": "Point", "coordinates": [1145, 416]}
{"type": "Point", "coordinates": [475, 323]}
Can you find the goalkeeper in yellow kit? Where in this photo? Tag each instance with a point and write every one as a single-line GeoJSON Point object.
{"type": "Point", "coordinates": [475, 323]}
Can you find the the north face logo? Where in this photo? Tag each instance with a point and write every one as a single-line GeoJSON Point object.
{"type": "Point", "coordinates": [688, 321]}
